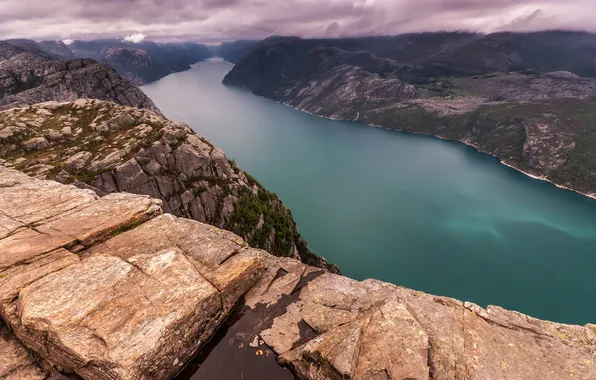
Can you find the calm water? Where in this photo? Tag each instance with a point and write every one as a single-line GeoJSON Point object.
{"type": "Point", "coordinates": [412, 210]}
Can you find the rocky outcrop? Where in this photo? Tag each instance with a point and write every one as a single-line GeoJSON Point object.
{"type": "Point", "coordinates": [67, 297]}
{"type": "Point", "coordinates": [111, 148]}
{"type": "Point", "coordinates": [73, 263]}
{"type": "Point", "coordinates": [339, 92]}
{"type": "Point", "coordinates": [537, 119]}
{"type": "Point", "coordinates": [64, 81]}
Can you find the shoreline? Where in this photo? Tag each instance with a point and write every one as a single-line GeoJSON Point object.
{"type": "Point", "coordinates": [533, 176]}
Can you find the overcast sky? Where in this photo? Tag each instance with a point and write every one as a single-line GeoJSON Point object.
{"type": "Point", "coordinates": [217, 20]}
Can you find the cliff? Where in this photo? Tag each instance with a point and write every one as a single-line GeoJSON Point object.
{"type": "Point", "coordinates": [493, 92]}
{"type": "Point", "coordinates": [72, 265]}
{"type": "Point", "coordinates": [29, 77]}
{"type": "Point", "coordinates": [111, 148]}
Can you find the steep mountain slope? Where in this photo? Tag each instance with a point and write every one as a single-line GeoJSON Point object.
{"type": "Point", "coordinates": [111, 148]}
{"type": "Point", "coordinates": [519, 97]}
{"type": "Point", "coordinates": [28, 76]}
{"type": "Point", "coordinates": [142, 62]}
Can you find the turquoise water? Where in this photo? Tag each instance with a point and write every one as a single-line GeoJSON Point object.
{"type": "Point", "coordinates": [416, 211]}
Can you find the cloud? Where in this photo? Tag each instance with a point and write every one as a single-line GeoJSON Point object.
{"type": "Point", "coordinates": [68, 41]}
{"type": "Point", "coordinates": [135, 37]}
{"type": "Point", "coordinates": [217, 20]}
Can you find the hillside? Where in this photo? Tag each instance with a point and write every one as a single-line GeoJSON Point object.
{"type": "Point", "coordinates": [527, 99]}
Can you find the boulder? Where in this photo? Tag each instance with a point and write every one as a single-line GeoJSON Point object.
{"type": "Point", "coordinates": [36, 143]}
{"type": "Point", "coordinates": [77, 161]}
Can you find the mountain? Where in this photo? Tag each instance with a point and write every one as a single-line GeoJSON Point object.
{"type": "Point", "coordinates": [235, 50]}
{"type": "Point", "coordinates": [29, 76]}
{"type": "Point", "coordinates": [56, 49]}
{"type": "Point", "coordinates": [142, 62]}
{"type": "Point", "coordinates": [526, 98]}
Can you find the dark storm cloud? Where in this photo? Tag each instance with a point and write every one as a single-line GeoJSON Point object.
{"type": "Point", "coordinates": [216, 20]}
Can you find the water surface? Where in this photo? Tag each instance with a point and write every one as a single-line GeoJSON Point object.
{"type": "Point", "coordinates": [416, 211]}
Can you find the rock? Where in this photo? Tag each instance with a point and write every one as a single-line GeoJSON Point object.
{"type": "Point", "coordinates": [108, 160]}
{"type": "Point", "coordinates": [77, 161]}
{"type": "Point", "coordinates": [62, 217]}
{"type": "Point", "coordinates": [326, 326]}
{"type": "Point", "coordinates": [15, 362]}
{"type": "Point", "coordinates": [69, 302]}
{"type": "Point", "coordinates": [36, 143]}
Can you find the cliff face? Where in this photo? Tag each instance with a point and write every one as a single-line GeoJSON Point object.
{"type": "Point", "coordinates": [448, 85]}
{"type": "Point", "coordinates": [111, 148]}
{"type": "Point", "coordinates": [72, 265]}
{"type": "Point", "coordinates": [28, 77]}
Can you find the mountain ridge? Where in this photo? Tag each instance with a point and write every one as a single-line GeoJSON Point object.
{"type": "Point", "coordinates": [534, 116]}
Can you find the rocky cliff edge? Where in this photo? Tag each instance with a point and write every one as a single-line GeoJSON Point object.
{"type": "Point", "coordinates": [112, 288]}
{"type": "Point", "coordinates": [111, 148]}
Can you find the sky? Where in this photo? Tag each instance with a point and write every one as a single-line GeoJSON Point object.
{"type": "Point", "coordinates": [212, 21]}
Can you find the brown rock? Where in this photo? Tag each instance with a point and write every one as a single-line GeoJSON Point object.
{"type": "Point", "coordinates": [15, 362]}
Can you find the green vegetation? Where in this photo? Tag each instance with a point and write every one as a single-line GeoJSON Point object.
{"type": "Point", "coordinates": [579, 169]}
{"type": "Point", "coordinates": [248, 212]}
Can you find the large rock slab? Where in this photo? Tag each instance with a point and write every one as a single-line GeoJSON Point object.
{"type": "Point", "coordinates": [326, 326]}
{"type": "Point", "coordinates": [41, 216]}
{"type": "Point", "coordinates": [137, 306]}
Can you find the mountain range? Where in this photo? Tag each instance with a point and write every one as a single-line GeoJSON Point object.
{"type": "Point", "coordinates": [98, 283]}
{"type": "Point", "coordinates": [140, 63]}
{"type": "Point", "coordinates": [526, 98]}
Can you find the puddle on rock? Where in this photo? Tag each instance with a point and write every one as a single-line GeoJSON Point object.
{"type": "Point", "coordinates": [234, 353]}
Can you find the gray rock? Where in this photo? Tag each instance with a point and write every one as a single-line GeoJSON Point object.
{"type": "Point", "coordinates": [36, 143]}
{"type": "Point", "coordinates": [61, 80]}
{"type": "Point", "coordinates": [77, 161]}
